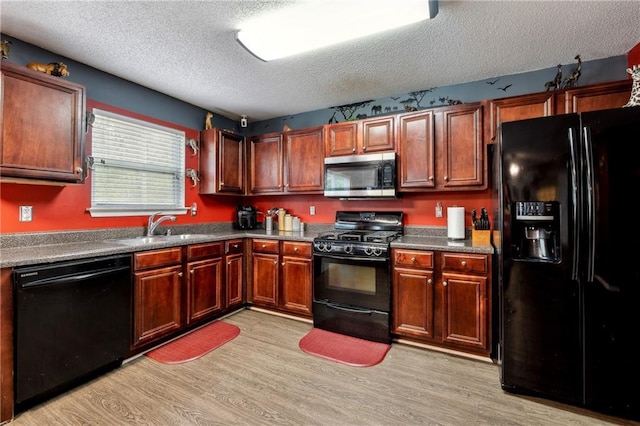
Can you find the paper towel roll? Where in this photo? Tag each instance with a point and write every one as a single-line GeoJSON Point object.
{"type": "Point", "coordinates": [455, 223]}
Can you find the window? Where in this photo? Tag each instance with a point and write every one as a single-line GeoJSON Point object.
{"type": "Point", "coordinates": [137, 167]}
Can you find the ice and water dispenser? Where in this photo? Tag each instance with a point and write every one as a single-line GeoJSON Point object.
{"type": "Point", "coordinates": [536, 230]}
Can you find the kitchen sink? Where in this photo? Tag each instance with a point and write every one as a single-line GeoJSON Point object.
{"type": "Point", "coordinates": [157, 239]}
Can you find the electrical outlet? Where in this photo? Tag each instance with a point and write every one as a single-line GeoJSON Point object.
{"type": "Point", "coordinates": [312, 210]}
{"type": "Point", "coordinates": [26, 213]}
{"type": "Point", "coordinates": [438, 209]}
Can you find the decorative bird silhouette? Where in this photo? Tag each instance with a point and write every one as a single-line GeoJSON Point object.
{"type": "Point", "coordinates": [493, 82]}
{"type": "Point", "coordinates": [395, 99]}
{"type": "Point", "coordinates": [504, 89]}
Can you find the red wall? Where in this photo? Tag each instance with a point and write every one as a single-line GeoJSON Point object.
{"type": "Point", "coordinates": [60, 208]}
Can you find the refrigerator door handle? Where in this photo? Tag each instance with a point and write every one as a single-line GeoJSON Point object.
{"type": "Point", "coordinates": [606, 285]}
{"type": "Point", "coordinates": [589, 203]}
{"type": "Point", "coordinates": [574, 211]}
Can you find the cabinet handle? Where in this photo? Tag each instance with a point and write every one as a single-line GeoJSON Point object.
{"type": "Point", "coordinates": [235, 246]}
{"type": "Point", "coordinates": [353, 150]}
{"type": "Point", "coordinates": [229, 263]}
{"type": "Point", "coordinates": [191, 272]}
{"type": "Point", "coordinates": [295, 249]}
{"type": "Point", "coordinates": [221, 183]}
{"type": "Point", "coordinates": [429, 281]}
{"type": "Point", "coordinates": [78, 169]}
{"type": "Point", "coordinates": [464, 263]}
{"type": "Point", "coordinates": [275, 262]}
{"type": "Point", "coordinates": [413, 260]}
{"type": "Point", "coordinates": [264, 245]}
{"type": "Point", "coordinates": [283, 263]}
{"type": "Point", "coordinates": [446, 178]}
{"type": "Point", "coordinates": [364, 148]}
{"type": "Point", "coordinates": [431, 178]}
{"type": "Point", "coordinates": [444, 283]}
{"type": "Point", "coordinates": [180, 274]}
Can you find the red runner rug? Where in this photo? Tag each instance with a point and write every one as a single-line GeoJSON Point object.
{"type": "Point", "coordinates": [195, 344]}
{"type": "Point", "coordinates": [343, 349]}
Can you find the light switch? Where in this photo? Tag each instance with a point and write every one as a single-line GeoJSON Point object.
{"type": "Point", "coordinates": [26, 213]}
{"type": "Point", "coordinates": [312, 210]}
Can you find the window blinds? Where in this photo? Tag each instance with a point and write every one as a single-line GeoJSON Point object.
{"type": "Point", "coordinates": [136, 165]}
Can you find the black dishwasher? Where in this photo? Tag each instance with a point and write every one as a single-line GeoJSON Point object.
{"type": "Point", "coordinates": [72, 323]}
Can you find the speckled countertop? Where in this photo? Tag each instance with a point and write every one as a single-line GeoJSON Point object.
{"type": "Point", "coordinates": [48, 247]}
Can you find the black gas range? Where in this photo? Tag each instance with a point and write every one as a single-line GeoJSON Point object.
{"type": "Point", "coordinates": [352, 274]}
{"type": "Point", "coordinates": [360, 234]}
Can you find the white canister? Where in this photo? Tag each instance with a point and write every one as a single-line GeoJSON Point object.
{"type": "Point", "coordinates": [455, 223]}
{"type": "Point", "coordinates": [296, 224]}
{"type": "Point", "coordinates": [288, 222]}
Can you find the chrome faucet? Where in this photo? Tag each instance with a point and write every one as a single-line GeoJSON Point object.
{"type": "Point", "coordinates": [152, 224]}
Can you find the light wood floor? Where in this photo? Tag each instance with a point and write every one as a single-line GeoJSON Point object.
{"type": "Point", "coordinates": [262, 377]}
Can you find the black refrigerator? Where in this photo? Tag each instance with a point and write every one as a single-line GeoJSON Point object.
{"type": "Point", "coordinates": [569, 259]}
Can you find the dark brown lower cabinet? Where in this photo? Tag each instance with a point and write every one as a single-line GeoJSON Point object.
{"type": "Point", "coordinates": [157, 294]}
{"type": "Point", "coordinates": [282, 276]}
{"type": "Point", "coordinates": [443, 299]}
{"type": "Point", "coordinates": [178, 288]}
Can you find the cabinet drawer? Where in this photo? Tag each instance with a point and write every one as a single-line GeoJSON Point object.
{"type": "Point", "coordinates": [477, 264]}
{"type": "Point", "coordinates": [163, 257]}
{"type": "Point", "coordinates": [265, 246]}
{"type": "Point", "coordinates": [413, 258]}
{"type": "Point", "coordinates": [234, 246]}
{"type": "Point", "coordinates": [196, 251]}
{"type": "Point", "coordinates": [296, 248]}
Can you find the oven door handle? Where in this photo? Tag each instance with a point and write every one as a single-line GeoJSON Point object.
{"type": "Point", "coordinates": [367, 259]}
{"type": "Point", "coordinates": [345, 308]}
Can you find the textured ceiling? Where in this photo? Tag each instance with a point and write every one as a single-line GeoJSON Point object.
{"type": "Point", "coordinates": [187, 49]}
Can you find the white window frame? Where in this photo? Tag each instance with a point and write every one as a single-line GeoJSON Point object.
{"type": "Point", "coordinates": [124, 146]}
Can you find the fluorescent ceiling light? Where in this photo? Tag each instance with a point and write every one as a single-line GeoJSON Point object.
{"type": "Point", "coordinates": [309, 25]}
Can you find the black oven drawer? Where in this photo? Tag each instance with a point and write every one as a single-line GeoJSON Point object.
{"type": "Point", "coordinates": [355, 322]}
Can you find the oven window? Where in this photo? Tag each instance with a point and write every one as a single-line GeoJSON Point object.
{"type": "Point", "coordinates": [355, 278]}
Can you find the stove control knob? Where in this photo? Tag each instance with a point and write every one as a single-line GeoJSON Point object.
{"type": "Point", "coordinates": [348, 248]}
{"type": "Point", "coordinates": [368, 251]}
{"type": "Point", "coordinates": [377, 251]}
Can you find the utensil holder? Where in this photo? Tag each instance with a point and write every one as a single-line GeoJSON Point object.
{"type": "Point", "coordinates": [480, 237]}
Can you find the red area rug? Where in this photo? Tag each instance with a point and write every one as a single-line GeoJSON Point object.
{"type": "Point", "coordinates": [195, 344]}
{"type": "Point", "coordinates": [343, 349]}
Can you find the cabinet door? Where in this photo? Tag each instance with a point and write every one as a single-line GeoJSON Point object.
{"type": "Point", "coordinates": [417, 153]}
{"type": "Point", "coordinates": [296, 284]}
{"type": "Point", "coordinates": [304, 164]}
{"type": "Point", "coordinates": [156, 303]}
{"type": "Point", "coordinates": [234, 279]}
{"type": "Point", "coordinates": [518, 108]}
{"type": "Point", "coordinates": [413, 303]}
{"type": "Point", "coordinates": [221, 162]}
{"type": "Point", "coordinates": [266, 164]}
{"type": "Point", "coordinates": [465, 310]}
{"type": "Point", "coordinates": [378, 134]}
{"type": "Point", "coordinates": [602, 96]}
{"type": "Point", "coordinates": [342, 138]}
{"type": "Point", "coordinates": [42, 126]}
{"type": "Point", "coordinates": [462, 148]}
{"type": "Point", "coordinates": [265, 279]}
{"type": "Point", "coordinates": [204, 289]}
{"type": "Point", "coordinates": [231, 163]}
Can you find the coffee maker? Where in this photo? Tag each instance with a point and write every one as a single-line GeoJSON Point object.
{"type": "Point", "coordinates": [246, 218]}
{"type": "Point", "coordinates": [536, 228]}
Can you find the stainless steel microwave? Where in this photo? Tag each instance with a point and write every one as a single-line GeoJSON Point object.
{"type": "Point", "coordinates": [360, 176]}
